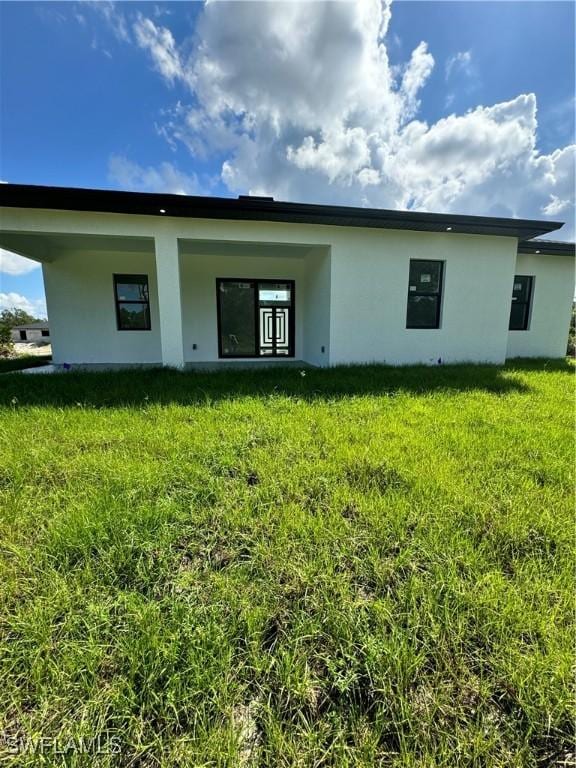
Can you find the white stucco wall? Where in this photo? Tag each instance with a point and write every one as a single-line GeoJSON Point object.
{"type": "Point", "coordinates": [370, 289]}
{"type": "Point", "coordinates": [553, 293]}
{"type": "Point", "coordinates": [317, 301]}
{"type": "Point", "coordinates": [80, 301]}
{"type": "Point", "coordinates": [351, 300]}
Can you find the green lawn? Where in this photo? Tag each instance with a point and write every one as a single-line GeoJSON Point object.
{"type": "Point", "coordinates": [23, 361]}
{"type": "Point", "coordinates": [355, 567]}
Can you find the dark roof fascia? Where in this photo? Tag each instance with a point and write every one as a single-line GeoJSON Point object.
{"type": "Point", "coordinates": [246, 209]}
{"type": "Point", "coordinates": [548, 247]}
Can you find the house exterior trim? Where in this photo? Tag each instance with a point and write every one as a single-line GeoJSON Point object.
{"type": "Point", "coordinates": [246, 208]}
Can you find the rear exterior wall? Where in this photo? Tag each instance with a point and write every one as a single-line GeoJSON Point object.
{"type": "Point", "coordinates": [82, 310]}
{"type": "Point", "coordinates": [350, 301]}
{"type": "Point", "coordinates": [549, 318]}
{"type": "Point", "coordinates": [370, 288]}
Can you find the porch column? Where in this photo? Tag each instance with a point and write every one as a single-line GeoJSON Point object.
{"type": "Point", "coordinates": [169, 299]}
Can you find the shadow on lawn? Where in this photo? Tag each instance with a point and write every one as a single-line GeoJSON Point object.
{"type": "Point", "coordinates": [120, 388]}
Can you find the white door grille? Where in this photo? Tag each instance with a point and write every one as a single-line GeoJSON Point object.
{"type": "Point", "coordinates": [274, 331]}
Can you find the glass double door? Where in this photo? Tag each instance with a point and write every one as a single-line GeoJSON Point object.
{"type": "Point", "coordinates": [255, 318]}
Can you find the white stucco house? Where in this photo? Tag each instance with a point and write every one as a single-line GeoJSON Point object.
{"type": "Point", "coordinates": [149, 279]}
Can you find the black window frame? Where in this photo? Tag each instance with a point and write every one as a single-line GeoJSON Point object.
{"type": "Point", "coordinates": [44, 333]}
{"type": "Point", "coordinates": [527, 303]}
{"type": "Point", "coordinates": [438, 295]}
{"type": "Point", "coordinates": [23, 335]}
{"type": "Point", "coordinates": [255, 282]}
{"type": "Point", "coordinates": [127, 278]}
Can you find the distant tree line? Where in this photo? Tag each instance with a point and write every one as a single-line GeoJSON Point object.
{"type": "Point", "coordinates": [13, 317]}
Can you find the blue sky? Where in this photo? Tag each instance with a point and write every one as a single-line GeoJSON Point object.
{"type": "Point", "coordinates": [447, 106]}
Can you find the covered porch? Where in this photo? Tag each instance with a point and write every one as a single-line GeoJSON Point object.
{"type": "Point", "coordinates": [254, 302]}
{"type": "Point", "coordinates": [201, 302]}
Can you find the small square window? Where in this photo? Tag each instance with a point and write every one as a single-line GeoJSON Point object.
{"type": "Point", "coordinates": [132, 302]}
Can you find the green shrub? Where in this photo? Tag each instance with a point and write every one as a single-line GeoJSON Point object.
{"type": "Point", "coordinates": [6, 346]}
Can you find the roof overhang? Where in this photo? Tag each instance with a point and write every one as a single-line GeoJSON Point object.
{"type": "Point", "coordinates": [263, 209]}
{"type": "Point", "coordinates": [548, 247]}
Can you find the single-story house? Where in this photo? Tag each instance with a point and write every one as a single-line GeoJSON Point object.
{"type": "Point", "coordinates": [31, 332]}
{"type": "Point", "coordinates": [148, 279]}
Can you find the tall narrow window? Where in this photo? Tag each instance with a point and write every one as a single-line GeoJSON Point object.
{"type": "Point", "coordinates": [132, 302]}
{"type": "Point", "coordinates": [275, 306]}
{"type": "Point", "coordinates": [237, 315]}
{"type": "Point", "coordinates": [424, 294]}
{"type": "Point", "coordinates": [521, 298]}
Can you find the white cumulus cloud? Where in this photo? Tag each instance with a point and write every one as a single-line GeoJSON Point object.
{"type": "Point", "coordinates": [161, 45]}
{"type": "Point", "coordinates": [556, 206]}
{"type": "Point", "coordinates": [164, 178]}
{"type": "Point", "coordinates": [113, 15]}
{"type": "Point", "coordinates": [459, 62]}
{"type": "Point", "coordinates": [34, 307]}
{"type": "Point", "coordinates": [12, 264]}
{"type": "Point", "coordinates": [299, 100]}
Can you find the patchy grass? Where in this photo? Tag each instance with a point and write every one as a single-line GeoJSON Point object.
{"type": "Point", "coordinates": [355, 567]}
{"type": "Point", "coordinates": [23, 361]}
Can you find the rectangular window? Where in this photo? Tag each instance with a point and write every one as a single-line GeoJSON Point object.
{"type": "Point", "coordinates": [424, 294]}
{"type": "Point", "coordinates": [521, 298]}
{"type": "Point", "coordinates": [237, 319]}
{"type": "Point", "coordinates": [22, 335]}
{"type": "Point", "coordinates": [45, 333]}
{"type": "Point", "coordinates": [132, 302]}
{"type": "Point", "coordinates": [255, 318]}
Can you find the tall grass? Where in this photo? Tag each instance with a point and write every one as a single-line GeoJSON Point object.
{"type": "Point", "coordinates": [354, 567]}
